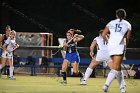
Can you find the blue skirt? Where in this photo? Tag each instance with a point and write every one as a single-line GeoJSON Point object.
{"type": "Point", "coordinates": [73, 57]}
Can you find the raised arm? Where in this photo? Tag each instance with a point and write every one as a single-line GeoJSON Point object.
{"type": "Point", "coordinates": [78, 38]}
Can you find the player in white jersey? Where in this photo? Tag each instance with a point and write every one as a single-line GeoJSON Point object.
{"type": "Point", "coordinates": [101, 56]}
{"type": "Point", "coordinates": [9, 46]}
{"type": "Point", "coordinates": [118, 29]}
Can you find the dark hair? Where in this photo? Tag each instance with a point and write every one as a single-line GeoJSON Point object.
{"type": "Point", "coordinates": [121, 13]}
{"type": "Point", "coordinates": [71, 32]}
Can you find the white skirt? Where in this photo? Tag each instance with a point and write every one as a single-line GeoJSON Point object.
{"type": "Point", "coordinates": [115, 49]}
{"type": "Point", "coordinates": [103, 56]}
{"type": "Point", "coordinates": [6, 54]}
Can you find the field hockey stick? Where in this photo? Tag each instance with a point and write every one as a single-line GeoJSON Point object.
{"type": "Point", "coordinates": [131, 68]}
{"type": "Point", "coordinates": [61, 47]}
{"type": "Point", "coordinates": [124, 58]}
{"type": "Point", "coordinates": [126, 70]}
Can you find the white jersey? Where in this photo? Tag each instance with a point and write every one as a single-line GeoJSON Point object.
{"type": "Point", "coordinates": [100, 43]}
{"type": "Point", "coordinates": [11, 43]}
{"type": "Point", "coordinates": [10, 46]}
{"type": "Point", "coordinates": [102, 50]}
{"type": "Point", "coordinates": [117, 30]}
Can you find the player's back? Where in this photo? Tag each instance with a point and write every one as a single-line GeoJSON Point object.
{"type": "Point", "coordinates": [100, 43]}
{"type": "Point", "coordinates": [118, 29]}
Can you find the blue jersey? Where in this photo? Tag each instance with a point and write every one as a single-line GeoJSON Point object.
{"type": "Point", "coordinates": [72, 47]}
{"type": "Point", "coordinates": [4, 39]}
{"type": "Point", "coordinates": [0, 51]}
{"type": "Point", "coordinates": [72, 54]}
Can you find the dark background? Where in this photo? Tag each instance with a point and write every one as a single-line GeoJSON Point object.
{"type": "Point", "coordinates": [57, 16]}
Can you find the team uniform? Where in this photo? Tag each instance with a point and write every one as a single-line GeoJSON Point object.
{"type": "Point", "coordinates": [116, 45]}
{"type": "Point", "coordinates": [3, 41]}
{"type": "Point", "coordinates": [8, 54]}
{"type": "Point", "coordinates": [73, 57]}
{"type": "Point", "coordinates": [101, 56]}
{"type": "Point", "coordinates": [117, 30]}
{"type": "Point", "coordinates": [10, 46]}
{"type": "Point", "coordinates": [72, 54]}
{"type": "Point", "coordinates": [102, 50]}
{"type": "Point", "coordinates": [6, 70]}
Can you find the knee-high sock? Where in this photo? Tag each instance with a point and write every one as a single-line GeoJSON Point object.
{"type": "Point", "coordinates": [112, 74]}
{"type": "Point", "coordinates": [64, 75]}
{"type": "Point", "coordinates": [88, 73]}
{"type": "Point", "coordinates": [123, 78]}
{"type": "Point", "coordinates": [120, 79]}
{"type": "Point", "coordinates": [11, 71]}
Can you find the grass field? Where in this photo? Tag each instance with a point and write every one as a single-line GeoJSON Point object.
{"type": "Point", "coordinates": [44, 84]}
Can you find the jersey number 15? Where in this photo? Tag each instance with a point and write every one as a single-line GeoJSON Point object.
{"type": "Point", "coordinates": [118, 28]}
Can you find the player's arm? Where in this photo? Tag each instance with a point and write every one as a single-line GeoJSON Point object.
{"type": "Point", "coordinates": [1, 38]}
{"type": "Point", "coordinates": [4, 47]}
{"type": "Point", "coordinates": [92, 47]}
{"type": "Point", "coordinates": [6, 44]}
{"type": "Point", "coordinates": [65, 45]}
{"type": "Point", "coordinates": [128, 37]}
{"type": "Point", "coordinates": [105, 33]}
{"type": "Point", "coordinates": [16, 46]}
{"type": "Point", "coordinates": [78, 38]}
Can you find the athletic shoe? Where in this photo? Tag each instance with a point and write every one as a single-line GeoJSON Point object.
{"type": "Point", "coordinates": [105, 88]}
{"type": "Point", "coordinates": [64, 82]}
{"type": "Point", "coordinates": [83, 82]}
{"type": "Point", "coordinates": [12, 78]}
{"type": "Point", "coordinates": [123, 90]}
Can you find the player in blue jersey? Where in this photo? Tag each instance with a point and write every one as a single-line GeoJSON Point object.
{"type": "Point", "coordinates": [72, 56]}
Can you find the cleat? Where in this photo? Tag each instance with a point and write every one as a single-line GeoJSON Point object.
{"type": "Point", "coordinates": [64, 82]}
{"type": "Point", "coordinates": [83, 82]}
{"type": "Point", "coordinates": [12, 78]}
{"type": "Point", "coordinates": [105, 88]}
{"type": "Point", "coordinates": [123, 90]}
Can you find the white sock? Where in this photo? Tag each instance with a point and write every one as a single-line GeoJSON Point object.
{"type": "Point", "coordinates": [11, 71]}
{"type": "Point", "coordinates": [88, 73]}
{"type": "Point", "coordinates": [120, 80]}
{"type": "Point", "coordinates": [123, 81]}
{"type": "Point", "coordinates": [0, 66]}
{"type": "Point", "coordinates": [112, 74]}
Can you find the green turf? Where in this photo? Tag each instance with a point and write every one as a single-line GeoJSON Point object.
{"type": "Point", "coordinates": [44, 84]}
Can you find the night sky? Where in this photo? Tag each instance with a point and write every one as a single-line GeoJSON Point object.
{"type": "Point", "coordinates": [57, 16]}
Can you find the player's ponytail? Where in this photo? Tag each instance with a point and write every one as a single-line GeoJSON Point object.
{"type": "Point", "coordinates": [121, 14]}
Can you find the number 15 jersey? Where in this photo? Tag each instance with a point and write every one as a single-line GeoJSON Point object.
{"type": "Point", "coordinates": [117, 30]}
